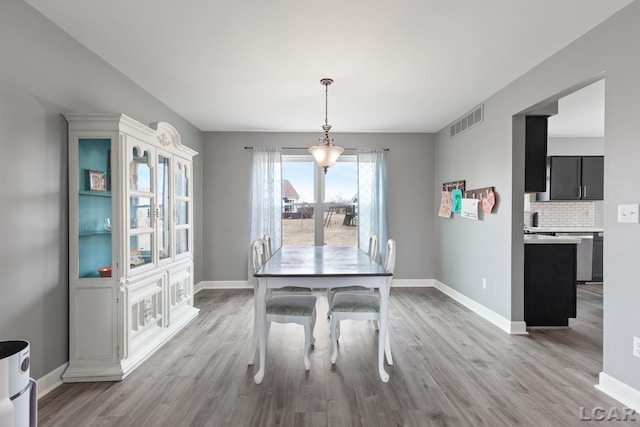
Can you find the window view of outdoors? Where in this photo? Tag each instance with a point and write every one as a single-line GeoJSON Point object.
{"type": "Point", "coordinates": [339, 216]}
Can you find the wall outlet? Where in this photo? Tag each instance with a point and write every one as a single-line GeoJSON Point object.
{"type": "Point", "coordinates": [484, 283]}
{"type": "Point", "coordinates": [636, 346]}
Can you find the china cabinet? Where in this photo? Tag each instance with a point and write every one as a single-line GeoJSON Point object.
{"type": "Point", "coordinates": [130, 236]}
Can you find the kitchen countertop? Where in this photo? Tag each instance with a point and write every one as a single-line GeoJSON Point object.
{"type": "Point", "coordinates": [564, 229]}
{"type": "Point", "coordinates": [541, 239]}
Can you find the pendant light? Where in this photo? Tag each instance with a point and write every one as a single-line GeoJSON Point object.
{"type": "Point", "coordinates": [326, 153]}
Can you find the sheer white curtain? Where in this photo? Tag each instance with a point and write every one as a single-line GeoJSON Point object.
{"type": "Point", "coordinates": [372, 199]}
{"type": "Point", "coordinates": [266, 195]}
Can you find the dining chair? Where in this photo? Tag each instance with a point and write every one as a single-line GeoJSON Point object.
{"type": "Point", "coordinates": [373, 254]}
{"type": "Point", "coordinates": [286, 308]}
{"type": "Point", "coordinates": [360, 306]}
{"type": "Point", "coordinates": [267, 252]}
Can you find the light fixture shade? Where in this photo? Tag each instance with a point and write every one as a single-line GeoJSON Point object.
{"type": "Point", "coordinates": [326, 154]}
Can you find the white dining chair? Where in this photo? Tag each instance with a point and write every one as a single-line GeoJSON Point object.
{"type": "Point", "coordinates": [267, 252]}
{"type": "Point", "coordinates": [373, 254]}
{"type": "Point", "coordinates": [360, 306]}
{"type": "Point", "coordinates": [286, 308]}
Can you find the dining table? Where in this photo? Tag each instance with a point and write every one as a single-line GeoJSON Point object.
{"type": "Point", "coordinates": [319, 267]}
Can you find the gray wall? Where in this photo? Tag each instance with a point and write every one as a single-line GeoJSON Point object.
{"type": "Point", "coordinates": [410, 162]}
{"type": "Point", "coordinates": [574, 146]}
{"type": "Point", "coordinates": [492, 154]}
{"type": "Point", "coordinates": [44, 73]}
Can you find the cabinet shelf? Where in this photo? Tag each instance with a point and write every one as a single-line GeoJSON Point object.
{"type": "Point", "coordinates": [95, 193]}
{"type": "Point", "coordinates": [94, 233]}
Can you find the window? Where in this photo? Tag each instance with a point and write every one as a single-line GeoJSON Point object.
{"type": "Point", "coordinates": [306, 190]}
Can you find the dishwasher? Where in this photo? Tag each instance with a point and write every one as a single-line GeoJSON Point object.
{"type": "Point", "coordinates": [584, 255]}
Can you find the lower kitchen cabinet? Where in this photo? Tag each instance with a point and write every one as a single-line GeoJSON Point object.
{"type": "Point", "coordinates": [597, 272]}
{"type": "Point", "coordinates": [549, 284]}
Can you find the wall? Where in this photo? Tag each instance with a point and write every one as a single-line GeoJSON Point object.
{"type": "Point", "coordinates": [592, 146]}
{"type": "Point", "coordinates": [44, 72]}
{"type": "Point", "coordinates": [410, 163]}
{"type": "Point", "coordinates": [492, 154]}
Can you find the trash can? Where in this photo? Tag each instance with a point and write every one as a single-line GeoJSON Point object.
{"type": "Point", "coordinates": [16, 385]}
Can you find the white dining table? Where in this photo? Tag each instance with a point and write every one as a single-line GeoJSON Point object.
{"type": "Point", "coordinates": [320, 267]}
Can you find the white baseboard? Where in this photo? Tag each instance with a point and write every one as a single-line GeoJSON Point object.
{"type": "Point", "coordinates": [412, 283]}
{"type": "Point", "coordinates": [511, 327]}
{"type": "Point", "coordinates": [623, 393]}
{"type": "Point", "coordinates": [51, 381]}
{"type": "Point", "coordinates": [224, 284]}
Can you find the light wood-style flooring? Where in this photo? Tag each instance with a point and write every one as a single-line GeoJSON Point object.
{"type": "Point", "coordinates": [452, 368]}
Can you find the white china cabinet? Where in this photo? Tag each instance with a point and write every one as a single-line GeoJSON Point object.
{"type": "Point", "coordinates": [130, 238]}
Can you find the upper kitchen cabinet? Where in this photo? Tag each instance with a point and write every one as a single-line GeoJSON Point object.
{"type": "Point", "coordinates": [576, 177]}
{"type": "Point", "coordinates": [535, 168]}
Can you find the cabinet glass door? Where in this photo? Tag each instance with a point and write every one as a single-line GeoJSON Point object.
{"type": "Point", "coordinates": [182, 206]}
{"type": "Point", "coordinates": [94, 207]}
{"type": "Point", "coordinates": [164, 208]}
{"type": "Point", "coordinates": [142, 210]}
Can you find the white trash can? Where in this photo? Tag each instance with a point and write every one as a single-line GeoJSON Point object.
{"type": "Point", "coordinates": [22, 391]}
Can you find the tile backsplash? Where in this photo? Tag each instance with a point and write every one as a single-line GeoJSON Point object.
{"type": "Point", "coordinates": [564, 214]}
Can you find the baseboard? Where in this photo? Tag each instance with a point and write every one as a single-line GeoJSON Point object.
{"type": "Point", "coordinates": [511, 327]}
{"type": "Point", "coordinates": [621, 392]}
{"type": "Point", "coordinates": [224, 284]}
{"type": "Point", "coordinates": [412, 283]}
{"type": "Point", "coordinates": [51, 381]}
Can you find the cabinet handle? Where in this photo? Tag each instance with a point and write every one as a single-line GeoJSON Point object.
{"type": "Point", "coordinates": [585, 192]}
{"type": "Point", "coordinates": [579, 192]}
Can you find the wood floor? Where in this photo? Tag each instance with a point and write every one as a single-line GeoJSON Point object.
{"type": "Point", "coordinates": [452, 368]}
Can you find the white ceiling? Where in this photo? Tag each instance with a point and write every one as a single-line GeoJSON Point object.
{"type": "Point", "coordinates": [398, 66]}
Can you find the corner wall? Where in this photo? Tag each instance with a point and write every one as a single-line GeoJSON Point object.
{"type": "Point", "coordinates": [44, 73]}
{"type": "Point", "coordinates": [492, 154]}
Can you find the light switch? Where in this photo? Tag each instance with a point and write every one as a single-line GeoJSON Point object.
{"type": "Point", "coordinates": [628, 213]}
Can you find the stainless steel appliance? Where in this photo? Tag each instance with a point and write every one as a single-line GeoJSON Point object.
{"type": "Point", "coordinates": [21, 390]}
{"type": "Point", "coordinates": [584, 255]}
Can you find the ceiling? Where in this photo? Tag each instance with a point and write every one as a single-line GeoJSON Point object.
{"type": "Point", "coordinates": [402, 66]}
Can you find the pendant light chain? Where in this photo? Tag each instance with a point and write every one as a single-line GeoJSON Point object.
{"type": "Point", "coordinates": [326, 104]}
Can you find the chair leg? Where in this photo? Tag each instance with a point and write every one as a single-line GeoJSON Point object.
{"type": "Point", "coordinates": [313, 326]}
{"type": "Point", "coordinates": [329, 301]}
{"type": "Point", "coordinates": [308, 336]}
{"type": "Point", "coordinates": [334, 339]}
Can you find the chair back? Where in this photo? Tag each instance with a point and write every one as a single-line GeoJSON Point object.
{"type": "Point", "coordinates": [373, 247]}
{"type": "Point", "coordinates": [267, 247]}
{"type": "Point", "coordinates": [255, 256]}
{"type": "Point", "coordinates": [390, 256]}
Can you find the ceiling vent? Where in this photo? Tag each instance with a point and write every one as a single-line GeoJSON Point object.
{"type": "Point", "coordinates": [467, 121]}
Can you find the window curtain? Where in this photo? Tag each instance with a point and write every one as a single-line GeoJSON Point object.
{"type": "Point", "coordinates": [266, 195]}
{"type": "Point", "coordinates": [372, 199]}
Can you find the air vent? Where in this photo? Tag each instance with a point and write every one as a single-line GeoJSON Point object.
{"type": "Point", "coordinates": [468, 121]}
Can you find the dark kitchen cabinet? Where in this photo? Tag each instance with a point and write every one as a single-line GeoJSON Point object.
{"type": "Point", "coordinates": [576, 177]}
{"type": "Point", "coordinates": [535, 165]}
{"type": "Point", "coordinates": [597, 270]}
{"type": "Point", "coordinates": [549, 284]}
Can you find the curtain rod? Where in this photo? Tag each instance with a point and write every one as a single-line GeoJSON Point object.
{"type": "Point", "coordinates": [306, 148]}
